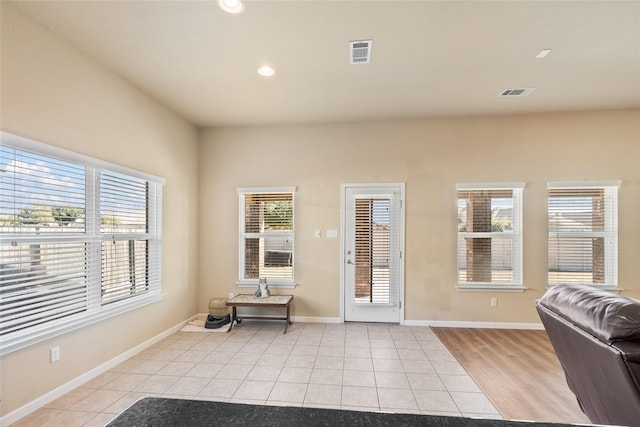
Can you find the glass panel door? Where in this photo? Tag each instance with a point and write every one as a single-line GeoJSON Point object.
{"type": "Point", "coordinates": [372, 254]}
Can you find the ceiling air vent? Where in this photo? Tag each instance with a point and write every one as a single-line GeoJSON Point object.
{"type": "Point", "coordinates": [518, 92]}
{"type": "Point", "coordinates": [360, 51]}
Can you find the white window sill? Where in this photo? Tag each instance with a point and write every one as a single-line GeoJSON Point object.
{"type": "Point", "coordinates": [463, 287]}
{"type": "Point", "coordinates": [271, 285]}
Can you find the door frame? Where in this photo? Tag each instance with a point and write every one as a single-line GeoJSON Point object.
{"type": "Point", "coordinates": [343, 238]}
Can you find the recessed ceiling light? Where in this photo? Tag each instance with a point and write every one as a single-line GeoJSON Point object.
{"type": "Point", "coordinates": [266, 71]}
{"type": "Point", "coordinates": [231, 6]}
{"type": "Point", "coordinates": [543, 53]}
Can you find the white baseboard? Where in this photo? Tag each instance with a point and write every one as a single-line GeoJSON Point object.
{"type": "Point", "coordinates": [54, 394]}
{"type": "Point", "coordinates": [435, 323]}
{"type": "Point", "coordinates": [310, 319]}
{"type": "Point", "coordinates": [478, 325]}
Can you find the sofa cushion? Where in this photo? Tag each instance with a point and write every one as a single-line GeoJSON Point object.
{"type": "Point", "coordinates": [608, 316]}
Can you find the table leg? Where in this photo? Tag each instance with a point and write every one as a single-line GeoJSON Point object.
{"type": "Point", "coordinates": [287, 321]}
{"type": "Point", "coordinates": [234, 316]}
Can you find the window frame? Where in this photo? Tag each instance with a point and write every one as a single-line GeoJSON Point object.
{"type": "Point", "coordinates": [242, 235]}
{"type": "Point", "coordinates": [516, 284]}
{"type": "Point", "coordinates": [610, 233]}
{"type": "Point", "coordinates": [95, 309]}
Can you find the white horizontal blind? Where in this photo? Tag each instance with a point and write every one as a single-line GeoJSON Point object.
{"type": "Point", "coordinates": [489, 236]}
{"type": "Point", "coordinates": [374, 271]}
{"type": "Point", "coordinates": [583, 230]}
{"type": "Point", "coordinates": [123, 226]}
{"type": "Point", "coordinates": [124, 269]}
{"type": "Point", "coordinates": [40, 195]}
{"type": "Point", "coordinates": [42, 224]}
{"type": "Point", "coordinates": [266, 236]}
{"type": "Point", "coordinates": [123, 204]}
{"type": "Point", "coordinates": [40, 283]}
{"type": "Point", "coordinates": [73, 237]}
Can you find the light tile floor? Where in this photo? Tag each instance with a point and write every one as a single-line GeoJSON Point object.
{"type": "Point", "coordinates": [355, 366]}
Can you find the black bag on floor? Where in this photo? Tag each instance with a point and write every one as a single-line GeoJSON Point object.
{"type": "Point", "coordinates": [214, 322]}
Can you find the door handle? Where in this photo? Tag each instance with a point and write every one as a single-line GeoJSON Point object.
{"type": "Point", "coordinates": [349, 261]}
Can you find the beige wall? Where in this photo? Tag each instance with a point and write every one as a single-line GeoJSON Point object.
{"type": "Point", "coordinates": [53, 93]}
{"type": "Point", "coordinates": [431, 156]}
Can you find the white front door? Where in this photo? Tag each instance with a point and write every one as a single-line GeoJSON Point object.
{"type": "Point", "coordinates": [373, 268]}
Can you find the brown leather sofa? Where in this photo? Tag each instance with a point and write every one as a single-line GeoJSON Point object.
{"type": "Point", "coordinates": [596, 336]}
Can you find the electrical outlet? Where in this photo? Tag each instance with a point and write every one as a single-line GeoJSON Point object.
{"type": "Point", "coordinates": [55, 354]}
{"type": "Point", "coordinates": [494, 302]}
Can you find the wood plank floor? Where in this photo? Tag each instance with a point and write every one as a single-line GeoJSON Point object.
{"type": "Point", "coordinates": [517, 370]}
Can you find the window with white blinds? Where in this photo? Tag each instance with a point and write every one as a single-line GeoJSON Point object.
{"type": "Point", "coordinates": [490, 236]}
{"type": "Point", "coordinates": [266, 236]}
{"type": "Point", "coordinates": [79, 241]}
{"type": "Point", "coordinates": [583, 233]}
{"type": "Point", "coordinates": [128, 215]}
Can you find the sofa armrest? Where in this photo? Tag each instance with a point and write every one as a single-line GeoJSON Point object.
{"type": "Point", "coordinates": [607, 316]}
{"type": "Point", "coordinates": [630, 350]}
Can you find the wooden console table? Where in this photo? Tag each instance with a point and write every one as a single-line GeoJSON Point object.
{"type": "Point", "coordinates": [249, 300]}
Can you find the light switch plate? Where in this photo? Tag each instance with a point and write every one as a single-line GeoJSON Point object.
{"type": "Point", "coordinates": [332, 233]}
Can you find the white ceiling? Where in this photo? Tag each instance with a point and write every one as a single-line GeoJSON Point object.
{"type": "Point", "coordinates": [429, 58]}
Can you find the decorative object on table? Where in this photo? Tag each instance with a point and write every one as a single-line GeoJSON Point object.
{"type": "Point", "coordinates": [264, 287]}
